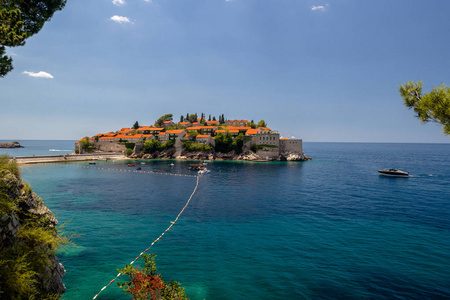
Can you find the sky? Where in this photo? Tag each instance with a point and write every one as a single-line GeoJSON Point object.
{"type": "Point", "coordinates": [321, 71]}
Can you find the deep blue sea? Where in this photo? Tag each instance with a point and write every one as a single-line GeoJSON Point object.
{"type": "Point", "coordinates": [330, 228]}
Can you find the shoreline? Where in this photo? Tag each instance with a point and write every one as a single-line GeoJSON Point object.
{"type": "Point", "coordinates": [43, 159]}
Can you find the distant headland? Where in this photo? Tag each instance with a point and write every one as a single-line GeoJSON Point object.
{"type": "Point", "coordinates": [12, 144]}
{"type": "Point", "coordinates": [196, 137]}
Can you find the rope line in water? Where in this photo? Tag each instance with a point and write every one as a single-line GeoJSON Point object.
{"type": "Point", "coordinates": [155, 241]}
{"type": "Point", "coordinates": [127, 170]}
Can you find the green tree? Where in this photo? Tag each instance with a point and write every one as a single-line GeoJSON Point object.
{"type": "Point", "coordinates": [261, 123]}
{"type": "Point", "coordinates": [162, 119]}
{"type": "Point", "coordinates": [181, 119]}
{"type": "Point", "coordinates": [136, 125]}
{"type": "Point", "coordinates": [251, 124]}
{"type": "Point", "coordinates": [192, 118]}
{"type": "Point", "coordinates": [430, 107]}
{"type": "Point", "coordinates": [19, 20]}
{"type": "Point", "coordinates": [223, 142]}
{"type": "Point", "coordinates": [151, 146]}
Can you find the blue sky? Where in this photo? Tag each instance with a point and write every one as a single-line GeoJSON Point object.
{"type": "Point", "coordinates": [316, 70]}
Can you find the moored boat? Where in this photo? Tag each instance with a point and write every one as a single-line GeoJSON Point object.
{"type": "Point", "coordinates": [393, 172]}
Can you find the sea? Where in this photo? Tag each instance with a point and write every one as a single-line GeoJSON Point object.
{"type": "Point", "coordinates": [329, 228]}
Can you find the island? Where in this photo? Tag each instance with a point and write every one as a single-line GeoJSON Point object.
{"type": "Point", "coordinates": [13, 144]}
{"type": "Point", "coordinates": [197, 138]}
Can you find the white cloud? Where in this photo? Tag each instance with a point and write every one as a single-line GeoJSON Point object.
{"type": "Point", "coordinates": [40, 74]}
{"type": "Point", "coordinates": [118, 2]}
{"type": "Point", "coordinates": [120, 19]}
{"type": "Point", "coordinates": [149, 1]}
{"type": "Point", "coordinates": [320, 7]}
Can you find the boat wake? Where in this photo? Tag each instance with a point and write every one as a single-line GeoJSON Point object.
{"type": "Point", "coordinates": [52, 150]}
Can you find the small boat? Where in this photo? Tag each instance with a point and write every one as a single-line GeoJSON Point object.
{"type": "Point", "coordinates": [204, 171]}
{"type": "Point", "coordinates": [139, 168]}
{"type": "Point", "coordinates": [130, 165]}
{"type": "Point", "coordinates": [92, 163]}
{"type": "Point", "coordinates": [393, 172]}
{"type": "Point", "coordinates": [196, 167]}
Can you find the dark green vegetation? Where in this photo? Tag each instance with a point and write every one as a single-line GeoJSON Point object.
{"type": "Point", "coordinates": [28, 240]}
{"type": "Point", "coordinates": [152, 146]}
{"type": "Point", "coordinates": [148, 284]}
{"type": "Point", "coordinates": [86, 145]}
{"type": "Point", "coordinates": [225, 143]}
{"type": "Point", "coordinates": [21, 19]}
{"type": "Point", "coordinates": [189, 146]}
{"type": "Point", "coordinates": [430, 107]}
{"type": "Point", "coordinates": [162, 119]}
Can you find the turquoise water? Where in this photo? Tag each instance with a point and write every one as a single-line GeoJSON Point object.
{"type": "Point", "coordinates": [330, 228]}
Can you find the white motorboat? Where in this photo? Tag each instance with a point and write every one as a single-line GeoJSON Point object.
{"type": "Point", "coordinates": [393, 172]}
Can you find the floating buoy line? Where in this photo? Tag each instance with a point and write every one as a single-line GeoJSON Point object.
{"type": "Point", "coordinates": [162, 234]}
{"type": "Point", "coordinates": [126, 170]}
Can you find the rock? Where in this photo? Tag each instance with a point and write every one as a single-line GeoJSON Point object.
{"type": "Point", "coordinates": [30, 210]}
{"type": "Point", "coordinates": [13, 144]}
{"type": "Point", "coordinates": [249, 156]}
{"type": "Point", "coordinates": [296, 157]}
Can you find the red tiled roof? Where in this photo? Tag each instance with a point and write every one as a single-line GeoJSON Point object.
{"type": "Point", "coordinates": [176, 131]}
{"type": "Point", "coordinates": [136, 136]}
{"type": "Point", "coordinates": [283, 138]}
{"type": "Point", "coordinates": [252, 131]}
{"type": "Point", "coordinates": [238, 128]}
{"type": "Point", "coordinates": [106, 138]}
{"type": "Point", "coordinates": [203, 136]}
{"type": "Point", "coordinates": [142, 128]}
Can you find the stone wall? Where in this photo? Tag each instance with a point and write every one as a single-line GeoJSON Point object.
{"type": "Point", "coordinates": [291, 146]}
{"type": "Point", "coordinates": [109, 146]}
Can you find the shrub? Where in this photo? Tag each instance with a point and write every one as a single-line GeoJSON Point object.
{"type": "Point", "coordinates": [195, 147]}
{"type": "Point", "coordinates": [9, 165]}
{"type": "Point", "coordinates": [148, 284]}
{"type": "Point", "coordinates": [129, 151]}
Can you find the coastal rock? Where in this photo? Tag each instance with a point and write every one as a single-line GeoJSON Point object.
{"type": "Point", "coordinates": [13, 144]}
{"type": "Point", "coordinates": [295, 157]}
{"type": "Point", "coordinates": [249, 156]}
{"type": "Point", "coordinates": [25, 211]}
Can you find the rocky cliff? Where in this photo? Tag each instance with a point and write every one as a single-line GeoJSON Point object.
{"type": "Point", "coordinates": [29, 268]}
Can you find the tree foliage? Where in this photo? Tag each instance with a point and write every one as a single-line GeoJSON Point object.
{"type": "Point", "coordinates": [189, 146]}
{"type": "Point", "coordinates": [151, 146]}
{"type": "Point", "coordinates": [148, 284]}
{"type": "Point", "coordinates": [226, 143]}
{"type": "Point", "coordinates": [162, 119]}
{"type": "Point", "coordinates": [430, 107]}
{"type": "Point", "coordinates": [135, 125]}
{"type": "Point", "coordinates": [19, 20]}
{"type": "Point", "coordinates": [261, 123]}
